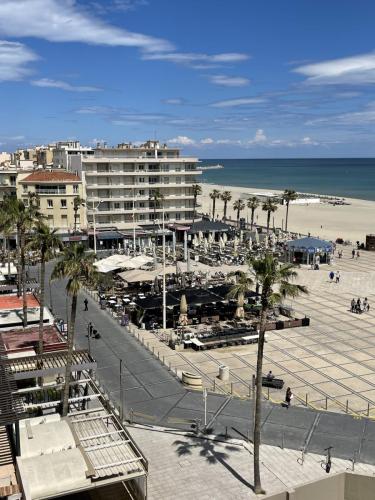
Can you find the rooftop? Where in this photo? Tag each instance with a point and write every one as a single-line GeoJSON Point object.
{"type": "Point", "coordinates": [51, 176]}
{"type": "Point", "coordinates": [27, 339]}
{"type": "Point", "coordinates": [8, 302]}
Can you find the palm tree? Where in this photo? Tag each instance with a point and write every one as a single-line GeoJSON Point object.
{"type": "Point", "coordinates": [76, 266]}
{"type": "Point", "coordinates": [45, 241]}
{"type": "Point", "coordinates": [77, 203]}
{"type": "Point", "coordinates": [214, 195]}
{"type": "Point", "coordinates": [269, 206]}
{"type": "Point", "coordinates": [238, 205]}
{"type": "Point", "coordinates": [288, 196]}
{"type": "Point", "coordinates": [15, 214]}
{"type": "Point", "coordinates": [269, 274]}
{"type": "Point", "coordinates": [253, 204]}
{"type": "Point", "coordinates": [238, 291]}
{"type": "Point", "coordinates": [155, 197]}
{"type": "Point", "coordinates": [197, 190]}
{"type": "Point", "coordinates": [226, 196]}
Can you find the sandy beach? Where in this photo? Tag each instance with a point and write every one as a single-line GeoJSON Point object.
{"type": "Point", "coordinates": [350, 222]}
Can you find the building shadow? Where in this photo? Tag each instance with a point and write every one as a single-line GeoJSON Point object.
{"type": "Point", "coordinates": [212, 455]}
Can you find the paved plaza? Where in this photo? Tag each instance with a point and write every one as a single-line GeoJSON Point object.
{"type": "Point", "coordinates": [330, 364]}
{"type": "Point", "coordinates": [185, 467]}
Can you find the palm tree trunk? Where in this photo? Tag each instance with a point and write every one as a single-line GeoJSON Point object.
{"type": "Point", "coordinates": [213, 207]}
{"type": "Point", "coordinates": [69, 357]}
{"type": "Point", "coordinates": [19, 278]}
{"type": "Point", "coordinates": [286, 217]}
{"type": "Point", "coordinates": [23, 281]}
{"type": "Point", "coordinates": [75, 221]}
{"type": "Point", "coordinates": [268, 221]}
{"type": "Point", "coordinates": [252, 218]}
{"type": "Point", "coordinates": [194, 207]}
{"type": "Point", "coordinates": [238, 218]}
{"type": "Point", "coordinates": [41, 302]}
{"type": "Point", "coordinates": [258, 403]}
{"type": "Point", "coordinates": [225, 210]}
{"type": "Point", "coordinates": [8, 257]}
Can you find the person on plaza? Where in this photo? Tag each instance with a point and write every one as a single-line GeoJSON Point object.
{"type": "Point", "coordinates": [352, 305]}
{"type": "Point", "coordinates": [331, 276]}
{"type": "Point", "coordinates": [288, 397]}
{"type": "Point", "coordinates": [353, 253]}
{"type": "Point", "coordinates": [357, 254]}
{"type": "Point", "coordinates": [340, 254]}
{"type": "Point", "coordinates": [270, 375]}
{"type": "Point", "coordinates": [86, 302]}
{"type": "Point", "coordinates": [338, 277]}
{"type": "Point", "coordinates": [358, 306]}
{"type": "Point", "coordinates": [366, 306]}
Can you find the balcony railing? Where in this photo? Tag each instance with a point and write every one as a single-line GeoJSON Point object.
{"type": "Point", "coordinates": [50, 191]}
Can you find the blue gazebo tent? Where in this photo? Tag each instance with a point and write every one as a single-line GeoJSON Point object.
{"type": "Point", "coordinates": [306, 250]}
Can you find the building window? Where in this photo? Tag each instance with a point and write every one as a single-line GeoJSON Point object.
{"type": "Point", "coordinates": [128, 205]}
{"type": "Point", "coordinates": [63, 203]}
{"type": "Point", "coordinates": [49, 204]}
{"type": "Point", "coordinates": [64, 219]}
{"type": "Point", "coordinates": [75, 188]}
{"type": "Point", "coordinates": [178, 216]}
{"type": "Point", "coordinates": [142, 179]}
{"type": "Point", "coordinates": [117, 206]}
{"type": "Point", "coordinates": [141, 192]}
{"type": "Point", "coordinates": [141, 167]}
{"type": "Point", "coordinates": [142, 204]}
{"type": "Point", "coordinates": [50, 220]}
{"type": "Point", "coordinates": [24, 188]}
{"type": "Point", "coordinates": [142, 216]}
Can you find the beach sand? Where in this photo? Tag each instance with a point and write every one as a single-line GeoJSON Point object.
{"type": "Point", "coordinates": [350, 222]}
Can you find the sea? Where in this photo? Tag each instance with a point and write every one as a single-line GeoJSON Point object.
{"type": "Point", "coordinates": [343, 177]}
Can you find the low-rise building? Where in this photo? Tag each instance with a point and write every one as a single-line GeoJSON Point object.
{"type": "Point", "coordinates": [65, 154]}
{"type": "Point", "coordinates": [8, 181]}
{"type": "Point", "coordinates": [56, 191]}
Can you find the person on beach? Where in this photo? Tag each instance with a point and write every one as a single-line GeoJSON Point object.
{"type": "Point", "coordinates": [288, 397]}
{"type": "Point", "coordinates": [353, 253]}
{"type": "Point", "coordinates": [352, 305]}
{"type": "Point", "coordinates": [366, 306]}
{"type": "Point", "coordinates": [340, 254]}
{"type": "Point", "coordinates": [270, 375]}
{"type": "Point", "coordinates": [358, 306]}
{"type": "Point", "coordinates": [331, 276]}
{"type": "Point", "coordinates": [338, 277]}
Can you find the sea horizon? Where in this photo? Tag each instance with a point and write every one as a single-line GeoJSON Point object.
{"type": "Point", "coordinates": [342, 177]}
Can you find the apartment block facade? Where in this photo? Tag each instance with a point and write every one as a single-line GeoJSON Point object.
{"type": "Point", "coordinates": [56, 191]}
{"type": "Point", "coordinates": [121, 183]}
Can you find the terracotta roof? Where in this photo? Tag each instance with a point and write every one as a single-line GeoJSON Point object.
{"type": "Point", "coordinates": [54, 176]}
{"type": "Point", "coordinates": [13, 302]}
{"type": "Point", "coordinates": [26, 339]}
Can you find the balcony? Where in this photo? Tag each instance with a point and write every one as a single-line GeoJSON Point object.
{"type": "Point", "coordinates": [141, 172]}
{"type": "Point", "coordinates": [50, 191]}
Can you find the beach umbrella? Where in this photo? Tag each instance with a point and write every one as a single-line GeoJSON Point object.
{"type": "Point", "coordinates": [241, 236]}
{"type": "Point", "coordinates": [200, 236]}
{"type": "Point", "coordinates": [221, 243]}
{"type": "Point", "coordinates": [183, 319]}
{"type": "Point", "coordinates": [225, 238]}
{"type": "Point", "coordinates": [266, 242]}
{"type": "Point", "coordinates": [205, 244]}
{"type": "Point", "coordinates": [256, 235]}
{"type": "Point", "coordinates": [156, 285]}
{"type": "Point", "coordinates": [210, 238]}
{"type": "Point", "coordinates": [250, 243]}
{"type": "Point", "coordinates": [183, 281]}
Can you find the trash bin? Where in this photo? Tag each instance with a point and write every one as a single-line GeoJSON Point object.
{"type": "Point", "coordinates": [224, 373]}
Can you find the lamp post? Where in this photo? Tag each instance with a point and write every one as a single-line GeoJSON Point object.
{"type": "Point", "coordinates": [164, 293]}
{"type": "Point", "coordinates": [94, 209]}
{"type": "Point", "coordinates": [134, 221]}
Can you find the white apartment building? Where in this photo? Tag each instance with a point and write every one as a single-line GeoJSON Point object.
{"type": "Point", "coordinates": [120, 183]}
{"type": "Point", "coordinates": [66, 154]}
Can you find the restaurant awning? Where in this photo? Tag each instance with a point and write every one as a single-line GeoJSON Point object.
{"type": "Point", "coordinates": [310, 245]}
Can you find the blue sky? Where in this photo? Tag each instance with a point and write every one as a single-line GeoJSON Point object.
{"type": "Point", "coordinates": [218, 78]}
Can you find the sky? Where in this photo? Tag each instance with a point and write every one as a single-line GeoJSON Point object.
{"type": "Point", "coordinates": [218, 78]}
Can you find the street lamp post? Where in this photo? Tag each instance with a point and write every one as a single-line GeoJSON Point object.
{"type": "Point", "coordinates": [164, 289]}
{"type": "Point", "coordinates": [134, 221]}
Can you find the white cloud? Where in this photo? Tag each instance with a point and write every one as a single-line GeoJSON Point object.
{"type": "Point", "coordinates": [243, 101]}
{"type": "Point", "coordinates": [174, 101]}
{"type": "Point", "coordinates": [229, 81]}
{"type": "Point", "coordinates": [64, 21]}
{"type": "Point", "coordinates": [117, 5]}
{"type": "Point", "coordinates": [14, 58]}
{"type": "Point", "coordinates": [182, 140]}
{"type": "Point", "coordinates": [309, 142]}
{"type": "Point", "coordinates": [259, 137]}
{"type": "Point", "coordinates": [56, 84]}
{"type": "Point", "coordinates": [198, 61]}
{"type": "Point", "coordinates": [348, 70]}
{"type": "Point", "coordinates": [207, 140]}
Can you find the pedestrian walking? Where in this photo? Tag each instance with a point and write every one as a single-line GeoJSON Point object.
{"type": "Point", "coordinates": [358, 306]}
{"type": "Point", "coordinates": [338, 277]}
{"type": "Point", "coordinates": [86, 302]}
{"type": "Point", "coordinates": [340, 254]}
{"type": "Point", "coordinates": [331, 276]}
{"type": "Point", "coordinates": [352, 305]}
{"type": "Point", "coordinates": [366, 305]}
{"type": "Point", "coordinates": [288, 397]}
{"type": "Point", "coordinates": [357, 254]}
{"type": "Point", "coordinates": [353, 253]}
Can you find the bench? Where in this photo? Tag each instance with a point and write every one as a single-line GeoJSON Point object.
{"type": "Point", "coordinates": [274, 383]}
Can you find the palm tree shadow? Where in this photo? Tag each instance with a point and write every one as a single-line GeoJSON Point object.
{"type": "Point", "coordinates": [212, 455]}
